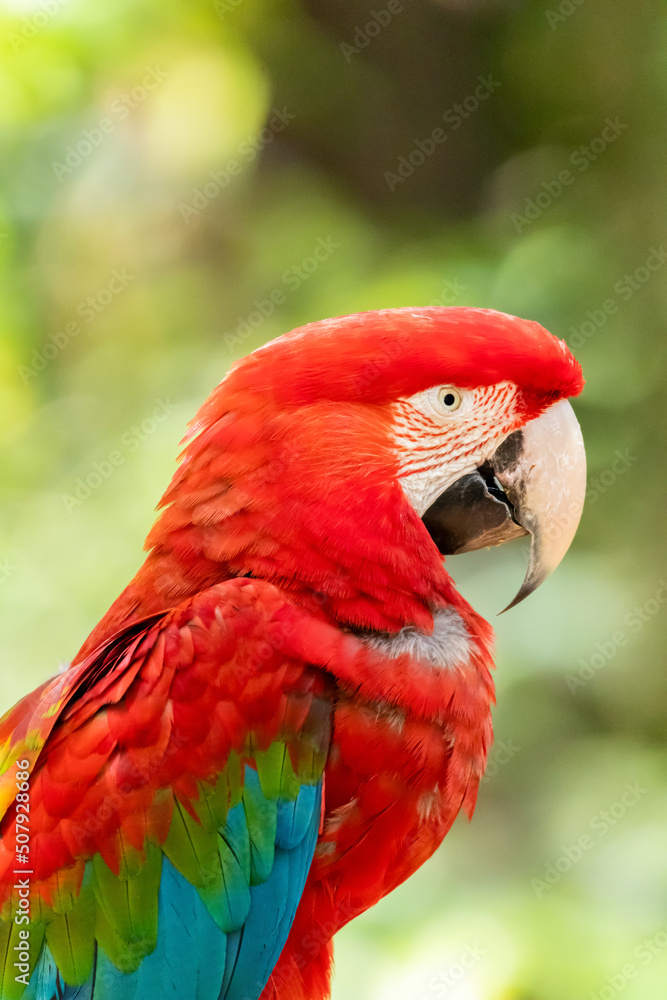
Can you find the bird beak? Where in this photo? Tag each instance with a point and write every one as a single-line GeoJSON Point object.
{"type": "Point", "coordinates": [534, 483]}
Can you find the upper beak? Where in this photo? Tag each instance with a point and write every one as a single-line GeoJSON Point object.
{"type": "Point", "coordinates": [535, 483]}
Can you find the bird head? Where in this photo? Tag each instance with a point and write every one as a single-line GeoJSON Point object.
{"type": "Point", "coordinates": [346, 458]}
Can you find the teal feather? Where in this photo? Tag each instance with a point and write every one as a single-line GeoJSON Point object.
{"type": "Point", "coordinates": [222, 949]}
{"type": "Point", "coordinates": [253, 951]}
{"type": "Point", "coordinates": [260, 814]}
{"type": "Point", "coordinates": [235, 835]}
{"type": "Point", "coordinates": [190, 954]}
{"type": "Point", "coordinates": [232, 905]}
{"type": "Point", "coordinates": [42, 985]}
{"type": "Point", "coordinates": [109, 982]}
{"type": "Point", "coordinates": [295, 818]}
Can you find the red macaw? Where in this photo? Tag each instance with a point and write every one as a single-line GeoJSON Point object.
{"type": "Point", "coordinates": [278, 720]}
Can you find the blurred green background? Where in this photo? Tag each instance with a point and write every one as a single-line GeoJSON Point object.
{"type": "Point", "coordinates": [183, 181]}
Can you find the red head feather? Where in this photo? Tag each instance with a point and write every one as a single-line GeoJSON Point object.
{"type": "Point", "coordinates": [289, 473]}
{"type": "Point", "coordinates": [376, 357]}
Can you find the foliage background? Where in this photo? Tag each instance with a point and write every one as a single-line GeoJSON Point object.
{"type": "Point", "coordinates": [187, 89]}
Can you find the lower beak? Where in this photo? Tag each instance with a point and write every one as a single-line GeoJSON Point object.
{"type": "Point", "coordinates": [535, 483]}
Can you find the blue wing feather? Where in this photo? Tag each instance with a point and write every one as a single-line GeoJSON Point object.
{"type": "Point", "coordinates": [271, 916]}
{"type": "Point", "coordinates": [193, 957]}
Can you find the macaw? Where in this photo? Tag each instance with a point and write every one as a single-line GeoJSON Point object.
{"type": "Point", "coordinates": [278, 720]}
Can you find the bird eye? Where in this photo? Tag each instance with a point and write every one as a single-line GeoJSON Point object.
{"type": "Point", "coordinates": [450, 398]}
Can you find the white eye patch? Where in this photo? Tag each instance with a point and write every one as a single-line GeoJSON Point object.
{"type": "Point", "coordinates": [444, 432]}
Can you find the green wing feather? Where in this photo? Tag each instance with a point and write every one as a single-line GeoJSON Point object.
{"type": "Point", "coordinates": [143, 801]}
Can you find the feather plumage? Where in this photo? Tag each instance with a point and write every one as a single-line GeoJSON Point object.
{"type": "Point", "coordinates": [198, 828]}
